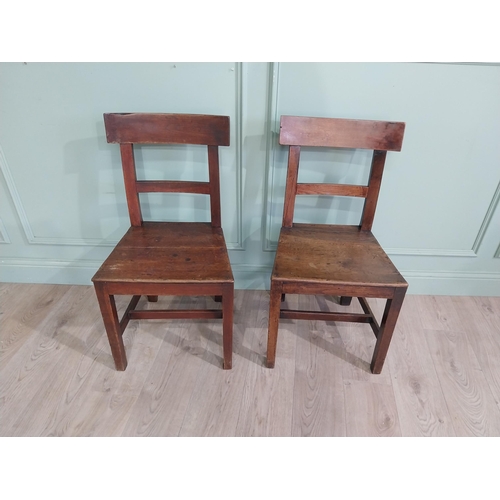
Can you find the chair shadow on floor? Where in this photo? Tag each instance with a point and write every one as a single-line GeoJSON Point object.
{"type": "Point", "coordinates": [89, 347]}
{"type": "Point", "coordinates": [327, 338]}
{"type": "Point", "coordinates": [320, 337]}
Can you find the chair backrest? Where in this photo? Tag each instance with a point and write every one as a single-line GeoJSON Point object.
{"type": "Point", "coordinates": [297, 131]}
{"type": "Point", "coordinates": [127, 129]}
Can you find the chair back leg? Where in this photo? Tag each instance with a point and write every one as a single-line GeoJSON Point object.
{"type": "Point", "coordinates": [227, 324]}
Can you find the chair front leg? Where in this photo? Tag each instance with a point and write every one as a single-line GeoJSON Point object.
{"type": "Point", "coordinates": [389, 319]}
{"type": "Point", "coordinates": [227, 325]}
{"type": "Point", "coordinates": [274, 318]}
{"type": "Point", "coordinates": [112, 326]}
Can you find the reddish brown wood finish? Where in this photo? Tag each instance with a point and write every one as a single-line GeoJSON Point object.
{"type": "Point", "coordinates": [164, 128]}
{"type": "Point", "coordinates": [213, 174]}
{"type": "Point", "coordinates": [332, 189]}
{"type": "Point", "coordinates": [291, 185]}
{"type": "Point", "coordinates": [114, 328]}
{"type": "Point", "coordinates": [167, 258]}
{"type": "Point", "coordinates": [373, 189]}
{"type": "Point", "coordinates": [173, 187]}
{"type": "Point", "coordinates": [130, 179]}
{"type": "Point", "coordinates": [336, 260]}
{"type": "Point", "coordinates": [341, 133]}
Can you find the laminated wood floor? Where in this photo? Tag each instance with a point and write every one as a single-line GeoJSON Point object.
{"type": "Point", "coordinates": [57, 378]}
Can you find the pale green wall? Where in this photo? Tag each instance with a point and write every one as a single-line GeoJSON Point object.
{"type": "Point", "coordinates": [62, 204]}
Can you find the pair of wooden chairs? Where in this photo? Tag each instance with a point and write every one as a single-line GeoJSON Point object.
{"type": "Point", "coordinates": [175, 258]}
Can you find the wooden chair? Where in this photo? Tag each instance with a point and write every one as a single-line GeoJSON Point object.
{"type": "Point", "coordinates": [166, 258]}
{"type": "Point", "coordinates": [336, 259]}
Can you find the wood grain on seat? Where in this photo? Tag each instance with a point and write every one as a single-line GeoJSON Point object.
{"type": "Point", "coordinates": [168, 252]}
{"type": "Point", "coordinates": [333, 254]}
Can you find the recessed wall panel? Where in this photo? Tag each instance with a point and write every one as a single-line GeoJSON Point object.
{"type": "Point", "coordinates": [68, 178]}
{"type": "Point", "coordinates": [437, 190]}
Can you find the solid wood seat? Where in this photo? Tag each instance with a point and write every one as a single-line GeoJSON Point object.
{"type": "Point", "coordinates": [168, 252]}
{"type": "Point", "coordinates": [322, 253]}
{"type": "Point", "coordinates": [167, 258]}
{"type": "Point", "coordinates": [330, 259]}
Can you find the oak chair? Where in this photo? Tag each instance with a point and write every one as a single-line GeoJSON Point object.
{"type": "Point", "coordinates": [341, 260]}
{"type": "Point", "coordinates": [166, 258]}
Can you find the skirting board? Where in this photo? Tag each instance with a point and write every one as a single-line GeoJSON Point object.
{"type": "Point", "coordinates": [248, 277]}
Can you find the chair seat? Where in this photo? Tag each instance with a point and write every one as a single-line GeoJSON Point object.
{"type": "Point", "coordinates": [168, 252]}
{"type": "Point", "coordinates": [322, 253]}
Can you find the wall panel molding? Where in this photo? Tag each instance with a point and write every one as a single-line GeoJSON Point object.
{"type": "Point", "coordinates": [270, 245]}
{"type": "Point", "coordinates": [429, 252]}
{"type": "Point", "coordinates": [453, 283]}
{"type": "Point", "coordinates": [16, 199]}
{"type": "Point", "coordinates": [25, 223]}
{"type": "Point", "coordinates": [239, 158]}
{"type": "Point", "coordinates": [487, 219]}
{"type": "Point", "coordinates": [464, 63]}
{"type": "Point", "coordinates": [4, 235]}
{"type": "Point", "coordinates": [99, 242]}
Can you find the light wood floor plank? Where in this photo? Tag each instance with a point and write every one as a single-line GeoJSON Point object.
{"type": "Point", "coordinates": [437, 312]}
{"type": "Point", "coordinates": [95, 393]}
{"type": "Point", "coordinates": [98, 402]}
{"type": "Point", "coordinates": [486, 345]}
{"type": "Point", "coordinates": [370, 403]}
{"type": "Point", "coordinates": [420, 402]}
{"type": "Point", "coordinates": [465, 388]}
{"type": "Point", "coordinates": [370, 410]}
{"type": "Point", "coordinates": [57, 376]}
{"type": "Point", "coordinates": [214, 406]}
{"type": "Point", "coordinates": [22, 309]}
{"type": "Point", "coordinates": [318, 402]}
{"type": "Point", "coordinates": [253, 348]}
{"type": "Point", "coordinates": [161, 406]}
{"type": "Point", "coordinates": [31, 367]}
{"type": "Point", "coordinates": [267, 401]}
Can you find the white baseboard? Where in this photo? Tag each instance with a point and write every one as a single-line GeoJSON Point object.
{"type": "Point", "coordinates": [453, 283]}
